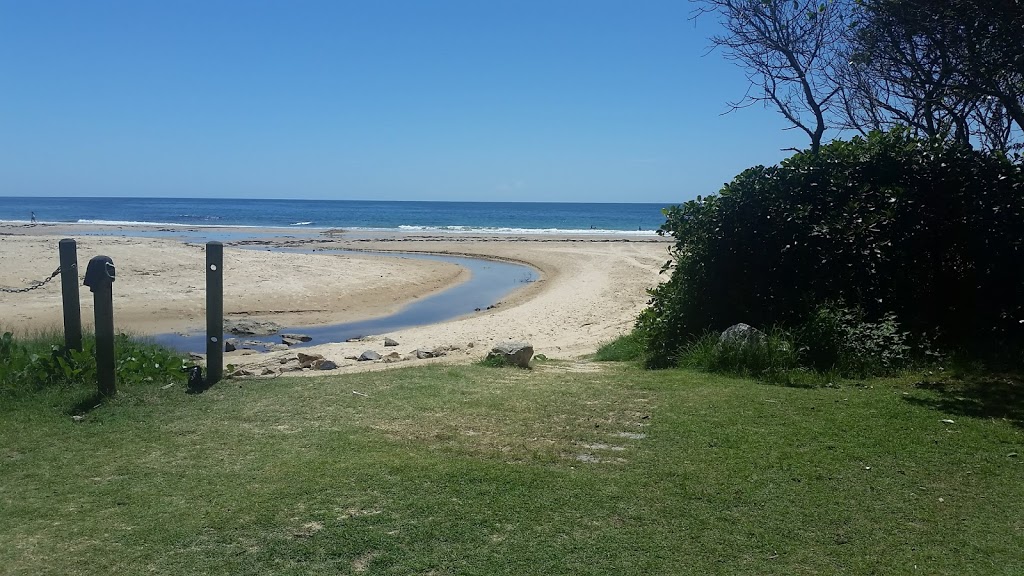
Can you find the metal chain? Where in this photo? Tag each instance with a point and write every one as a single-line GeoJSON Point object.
{"type": "Point", "coordinates": [34, 286]}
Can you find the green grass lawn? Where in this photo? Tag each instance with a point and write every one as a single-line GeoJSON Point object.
{"type": "Point", "coordinates": [589, 468]}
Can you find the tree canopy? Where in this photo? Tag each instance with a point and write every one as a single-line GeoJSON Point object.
{"type": "Point", "coordinates": [951, 69]}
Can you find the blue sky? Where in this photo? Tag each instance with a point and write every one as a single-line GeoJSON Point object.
{"type": "Point", "coordinates": [553, 100]}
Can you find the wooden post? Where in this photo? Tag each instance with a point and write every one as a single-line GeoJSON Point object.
{"type": "Point", "coordinates": [68, 249]}
{"type": "Point", "coordinates": [99, 277]}
{"type": "Point", "coordinates": [214, 312]}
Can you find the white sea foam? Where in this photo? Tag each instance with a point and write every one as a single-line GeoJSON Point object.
{"type": "Point", "coordinates": [170, 224]}
{"type": "Point", "coordinates": [509, 230]}
{"type": "Point", "coordinates": [498, 230]}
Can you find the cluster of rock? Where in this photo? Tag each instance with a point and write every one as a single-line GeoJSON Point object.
{"type": "Point", "coordinates": [250, 327]}
{"type": "Point", "coordinates": [512, 353]}
{"type": "Point", "coordinates": [297, 363]}
{"type": "Point", "coordinates": [417, 354]}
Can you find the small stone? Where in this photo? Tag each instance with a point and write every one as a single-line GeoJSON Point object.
{"type": "Point", "coordinates": [299, 337]}
{"type": "Point", "coordinates": [947, 421]}
{"type": "Point", "coordinates": [423, 353]}
{"type": "Point", "coordinates": [78, 418]}
{"type": "Point", "coordinates": [327, 365]}
{"type": "Point", "coordinates": [1011, 455]}
{"type": "Point", "coordinates": [390, 342]}
{"type": "Point", "coordinates": [289, 341]}
{"type": "Point", "coordinates": [267, 372]}
{"type": "Point", "coordinates": [229, 345]}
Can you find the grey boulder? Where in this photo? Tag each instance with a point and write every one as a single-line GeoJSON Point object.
{"type": "Point", "coordinates": [515, 353]}
{"type": "Point", "coordinates": [742, 336]}
{"type": "Point", "coordinates": [369, 355]}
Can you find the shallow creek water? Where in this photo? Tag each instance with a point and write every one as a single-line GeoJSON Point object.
{"type": "Point", "coordinates": [489, 282]}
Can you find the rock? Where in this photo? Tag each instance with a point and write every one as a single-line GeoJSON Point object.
{"type": "Point", "coordinates": [390, 342]}
{"type": "Point", "coordinates": [424, 353]}
{"type": "Point", "coordinates": [299, 337]}
{"type": "Point", "coordinates": [369, 355]}
{"type": "Point", "coordinates": [327, 365]}
{"type": "Point", "coordinates": [229, 345]}
{"type": "Point", "coordinates": [276, 347]}
{"type": "Point", "coordinates": [267, 372]}
{"type": "Point", "coordinates": [470, 345]}
{"type": "Point", "coordinates": [741, 336]}
{"type": "Point", "coordinates": [393, 357]}
{"type": "Point", "coordinates": [515, 353]}
{"type": "Point", "coordinates": [248, 326]}
{"type": "Point", "coordinates": [289, 341]}
{"type": "Point", "coordinates": [308, 358]}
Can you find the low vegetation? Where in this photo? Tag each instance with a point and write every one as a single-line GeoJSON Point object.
{"type": "Point", "coordinates": [570, 468]}
{"type": "Point", "coordinates": [29, 365]}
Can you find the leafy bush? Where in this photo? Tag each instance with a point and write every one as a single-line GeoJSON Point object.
{"type": "Point", "coordinates": [929, 231]}
{"type": "Point", "coordinates": [839, 339]}
{"type": "Point", "coordinates": [42, 363]}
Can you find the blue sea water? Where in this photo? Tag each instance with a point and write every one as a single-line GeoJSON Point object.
{"type": "Point", "coordinates": [493, 217]}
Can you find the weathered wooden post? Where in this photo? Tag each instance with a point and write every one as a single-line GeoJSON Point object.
{"type": "Point", "coordinates": [69, 290]}
{"type": "Point", "coordinates": [99, 277]}
{"type": "Point", "coordinates": [214, 312]}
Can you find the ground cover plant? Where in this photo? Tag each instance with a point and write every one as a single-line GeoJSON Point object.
{"type": "Point", "coordinates": [40, 361]}
{"type": "Point", "coordinates": [569, 468]}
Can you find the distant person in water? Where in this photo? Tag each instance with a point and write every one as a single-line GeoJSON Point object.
{"type": "Point", "coordinates": [33, 219]}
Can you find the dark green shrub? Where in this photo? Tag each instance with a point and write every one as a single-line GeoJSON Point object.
{"type": "Point", "coordinates": [927, 230]}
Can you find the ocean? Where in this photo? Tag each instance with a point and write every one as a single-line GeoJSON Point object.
{"type": "Point", "coordinates": [356, 215]}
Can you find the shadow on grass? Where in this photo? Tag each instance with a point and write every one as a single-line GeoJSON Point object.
{"type": "Point", "coordinates": [88, 404]}
{"type": "Point", "coordinates": [983, 396]}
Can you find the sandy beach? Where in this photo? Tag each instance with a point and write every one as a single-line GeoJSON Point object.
{"type": "Point", "coordinates": [589, 291]}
